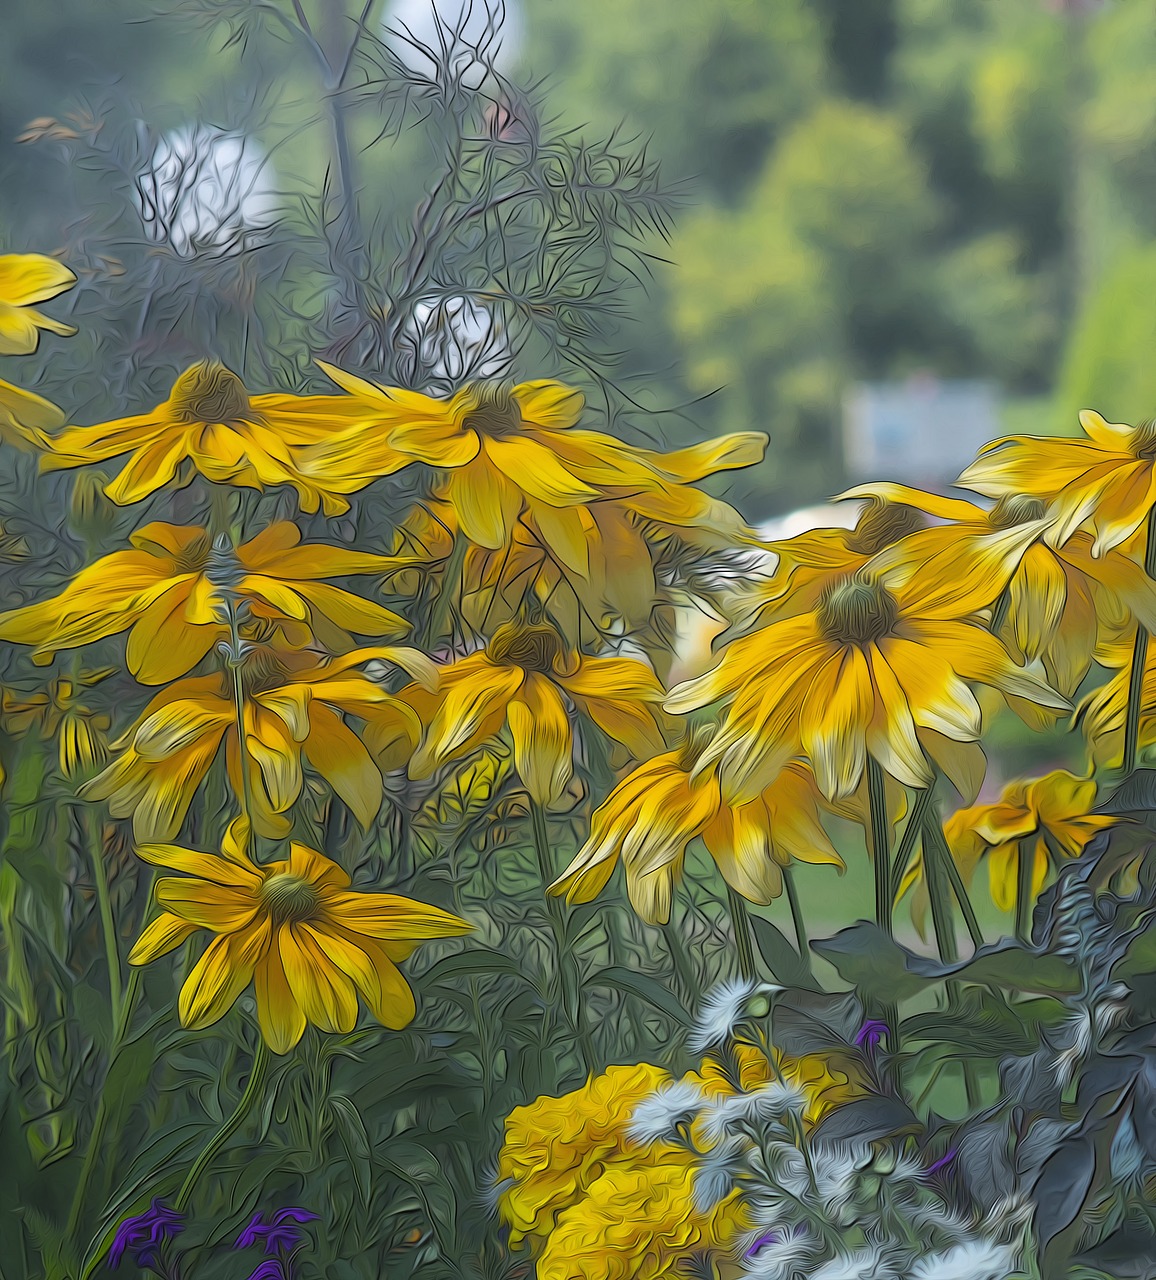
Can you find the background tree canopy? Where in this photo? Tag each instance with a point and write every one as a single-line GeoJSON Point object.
{"type": "Point", "coordinates": [866, 188]}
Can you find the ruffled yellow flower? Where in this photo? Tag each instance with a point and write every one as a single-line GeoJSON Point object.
{"type": "Point", "coordinates": [170, 592]}
{"type": "Point", "coordinates": [641, 1222]}
{"type": "Point", "coordinates": [26, 278]}
{"type": "Point", "coordinates": [505, 450]}
{"type": "Point", "coordinates": [210, 422]}
{"type": "Point", "coordinates": [555, 1147]}
{"type": "Point", "coordinates": [525, 679]}
{"type": "Point", "coordinates": [877, 668]}
{"type": "Point", "coordinates": [1044, 819]}
{"type": "Point", "coordinates": [1058, 598]}
{"type": "Point", "coordinates": [1104, 482]}
{"type": "Point", "coordinates": [296, 930]}
{"type": "Point", "coordinates": [651, 817]}
{"type": "Point", "coordinates": [294, 712]}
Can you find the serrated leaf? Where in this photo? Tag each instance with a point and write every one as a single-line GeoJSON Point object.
{"type": "Point", "coordinates": [632, 982]}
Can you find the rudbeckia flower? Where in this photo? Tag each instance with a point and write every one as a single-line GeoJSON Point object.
{"type": "Point", "coordinates": [651, 817]}
{"type": "Point", "coordinates": [171, 593]}
{"type": "Point", "coordinates": [504, 450]}
{"type": "Point", "coordinates": [1044, 819]}
{"type": "Point", "coordinates": [294, 712]}
{"type": "Point", "coordinates": [296, 930]}
{"type": "Point", "coordinates": [58, 712]}
{"type": "Point", "coordinates": [211, 423]}
{"type": "Point", "coordinates": [525, 679]}
{"type": "Point", "coordinates": [877, 668]}
{"type": "Point", "coordinates": [1057, 597]}
{"type": "Point", "coordinates": [26, 278]}
{"type": "Point", "coordinates": [1104, 482]}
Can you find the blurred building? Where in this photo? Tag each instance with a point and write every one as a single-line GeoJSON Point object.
{"type": "Point", "coordinates": [923, 431]}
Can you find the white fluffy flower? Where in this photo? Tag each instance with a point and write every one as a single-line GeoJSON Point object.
{"type": "Point", "coordinates": [973, 1260]}
{"type": "Point", "coordinates": [781, 1257]}
{"type": "Point", "coordinates": [722, 1011]}
{"type": "Point", "coordinates": [863, 1264]}
{"type": "Point", "coordinates": [659, 1117]}
{"type": "Point", "coordinates": [768, 1103]}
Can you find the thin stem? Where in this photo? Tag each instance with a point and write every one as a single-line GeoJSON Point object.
{"type": "Point", "coordinates": [1025, 860]}
{"type": "Point", "coordinates": [226, 1131]}
{"type": "Point", "coordinates": [1139, 660]}
{"type": "Point", "coordinates": [100, 1120]}
{"type": "Point", "coordinates": [911, 832]}
{"type": "Point", "coordinates": [880, 834]}
{"type": "Point", "coordinates": [741, 925]}
{"type": "Point", "coordinates": [680, 960]}
{"type": "Point", "coordinates": [796, 910]}
{"type": "Point", "coordinates": [95, 842]}
{"type": "Point", "coordinates": [450, 586]}
{"type": "Point", "coordinates": [934, 832]}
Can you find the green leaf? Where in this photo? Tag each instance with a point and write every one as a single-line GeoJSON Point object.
{"type": "Point", "coordinates": [355, 1140]}
{"type": "Point", "coordinates": [472, 964]}
{"type": "Point", "coordinates": [788, 967]}
{"type": "Point", "coordinates": [645, 988]}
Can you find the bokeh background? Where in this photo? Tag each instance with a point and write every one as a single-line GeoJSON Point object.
{"type": "Point", "coordinates": [859, 190]}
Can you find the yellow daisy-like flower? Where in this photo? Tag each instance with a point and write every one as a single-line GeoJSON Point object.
{"type": "Point", "coordinates": [26, 278]}
{"type": "Point", "coordinates": [296, 930]}
{"type": "Point", "coordinates": [651, 817]}
{"type": "Point", "coordinates": [1058, 597]}
{"type": "Point", "coordinates": [641, 1222]}
{"type": "Point", "coordinates": [555, 1147]}
{"type": "Point", "coordinates": [508, 449]}
{"type": "Point", "coordinates": [171, 593]}
{"type": "Point", "coordinates": [877, 668]}
{"type": "Point", "coordinates": [1104, 482]}
{"type": "Point", "coordinates": [294, 712]}
{"type": "Point", "coordinates": [58, 712]}
{"type": "Point", "coordinates": [525, 679]}
{"type": "Point", "coordinates": [1045, 819]}
{"type": "Point", "coordinates": [210, 422]}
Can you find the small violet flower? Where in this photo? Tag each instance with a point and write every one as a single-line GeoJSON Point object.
{"type": "Point", "coordinates": [279, 1234]}
{"type": "Point", "coordinates": [769, 1237]}
{"type": "Point", "coordinates": [144, 1235]}
{"type": "Point", "coordinates": [941, 1163]}
{"type": "Point", "coordinates": [870, 1034]}
{"type": "Point", "coordinates": [270, 1269]}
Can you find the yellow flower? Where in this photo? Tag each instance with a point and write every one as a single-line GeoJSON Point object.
{"type": "Point", "coordinates": [57, 712]}
{"type": "Point", "coordinates": [508, 449]}
{"type": "Point", "coordinates": [171, 591]}
{"type": "Point", "coordinates": [24, 418]}
{"type": "Point", "coordinates": [1058, 598]}
{"type": "Point", "coordinates": [26, 278]}
{"type": "Point", "coordinates": [555, 1147]}
{"type": "Point", "coordinates": [294, 712]}
{"type": "Point", "coordinates": [1044, 819]}
{"type": "Point", "coordinates": [641, 1222]}
{"type": "Point", "coordinates": [525, 679]}
{"type": "Point", "coordinates": [295, 929]}
{"type": "Point", "coordinates": [1104, 482]}
{"type": "Point", "coordinates": [654, 813]}
{"type": "Point", "coordinates": [877, 668]}
{"type": "Point", "coordinates": [212, 423]}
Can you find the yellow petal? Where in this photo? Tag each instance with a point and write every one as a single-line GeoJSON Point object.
{"type": "Point", "coordinates": [279, 1016]}
{"type": "Point", "coordinates": [165, 934]}
{"type": "Point", "coordinates": [325, 994]}
{"type": "Point", "coordinates": [543, 742]}
{"type": "Point", "coordinates": [221, 974]}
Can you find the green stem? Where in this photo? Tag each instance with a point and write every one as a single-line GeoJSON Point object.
{"type": "Point", "coordinates": [1139, 660]}
{"type": "Point", "coordinates": [100, 1120]}
{"type": "Point", "coordinates": [741, 925]}
{"type": "Point", "coordinates": [880, 835]}
{"type": "Point", "coordinates": [911, 832]}
{"type": "Point", "coordinates": [680, 960]}
{"type": "Point", "coordinates": [226, 1131]}
{"type": "Point", "coordinates": [1025, 858]}
{"type": "Point", "coordinates": [93, 838]}
{"type": "Point", "coordinates": [569, 973]}
{"type": "Point", "coordinates": [934, 832]}
{"type": "Point", "coordinates": [796, 910]}
{"type": "Point", "coordinates": [447, 595]}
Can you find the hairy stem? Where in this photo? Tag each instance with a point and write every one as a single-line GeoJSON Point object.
{"type": "Point", "coordinates": [796, 910]}
{"type": "Point", "coordinates": [741, 925]}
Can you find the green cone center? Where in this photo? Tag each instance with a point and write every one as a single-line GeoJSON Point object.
{"type": "Point", "coordinates": [857, 610]}
{"type": "Point", "coordinates": [492, 410]}
{"type": "Point", "coordinates": [534, 647]}
{"type": "Point", "coordinates": [208, 392]}
{"type": "Point", "coordinates": [882, 524]}
{"type": "Point", "coordinates": [288, 899]}
{"type": "Point", "coordinates": [1016, 508]}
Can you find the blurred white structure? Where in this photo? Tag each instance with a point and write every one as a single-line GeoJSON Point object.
{"type": "Point", "coordinates": [923, 431]}
{"type": "Point", "coordinates": [454, 340]}
{"type": "Point", "coordinates": [206, 190]}
{"type": "Point", "coordinates": [458, 30]}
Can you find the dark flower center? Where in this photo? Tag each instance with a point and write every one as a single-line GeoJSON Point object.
{"type": "Point", "coordinates": [534, 647]}
{"type": "Point", "coordinates": [208, 392]}
{"type": "Point", "coordinates": [492, 410]}
{"type": "Point", "coordinates": [288, 899]}
{"type": "Point", "coordinates": [881, 524]}
{"type": "Point", "coordinates": [857, 610]}
{"type": "Point", "coordinates": [195, 555]}
{"type": "Point", "coordinates": [1143, 442]}
{"type": "Point", "coordinates": [1016, 508]}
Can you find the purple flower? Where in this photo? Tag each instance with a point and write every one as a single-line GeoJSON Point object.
{"type": "Point", "coordinates": [270, 1269]}
{"type": "Point", "coordinates": [769, 1237]}
{"type": "Point", "coordinates": [144, 1235]}
{"type": "Point", "coordinates": [280, 1233]}
{"type": "Point", "coordinates": [941, 1163]}
{"type": "Point", "coordinates": [870, 1034]}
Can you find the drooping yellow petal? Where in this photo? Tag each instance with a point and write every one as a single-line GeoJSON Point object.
{"type": "Point", "coordinates": [324, 992]}
{"type": "Point", "coordinates": [280, 1017]}
{"type": "Point", "coordinates": [221, 974]}
{"type": "Point", "coordinates": [339, 755]}
{"type": "Point", "coordinates": [543, 741]}
{"type": "Point", "coordinates": [165, 934]}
